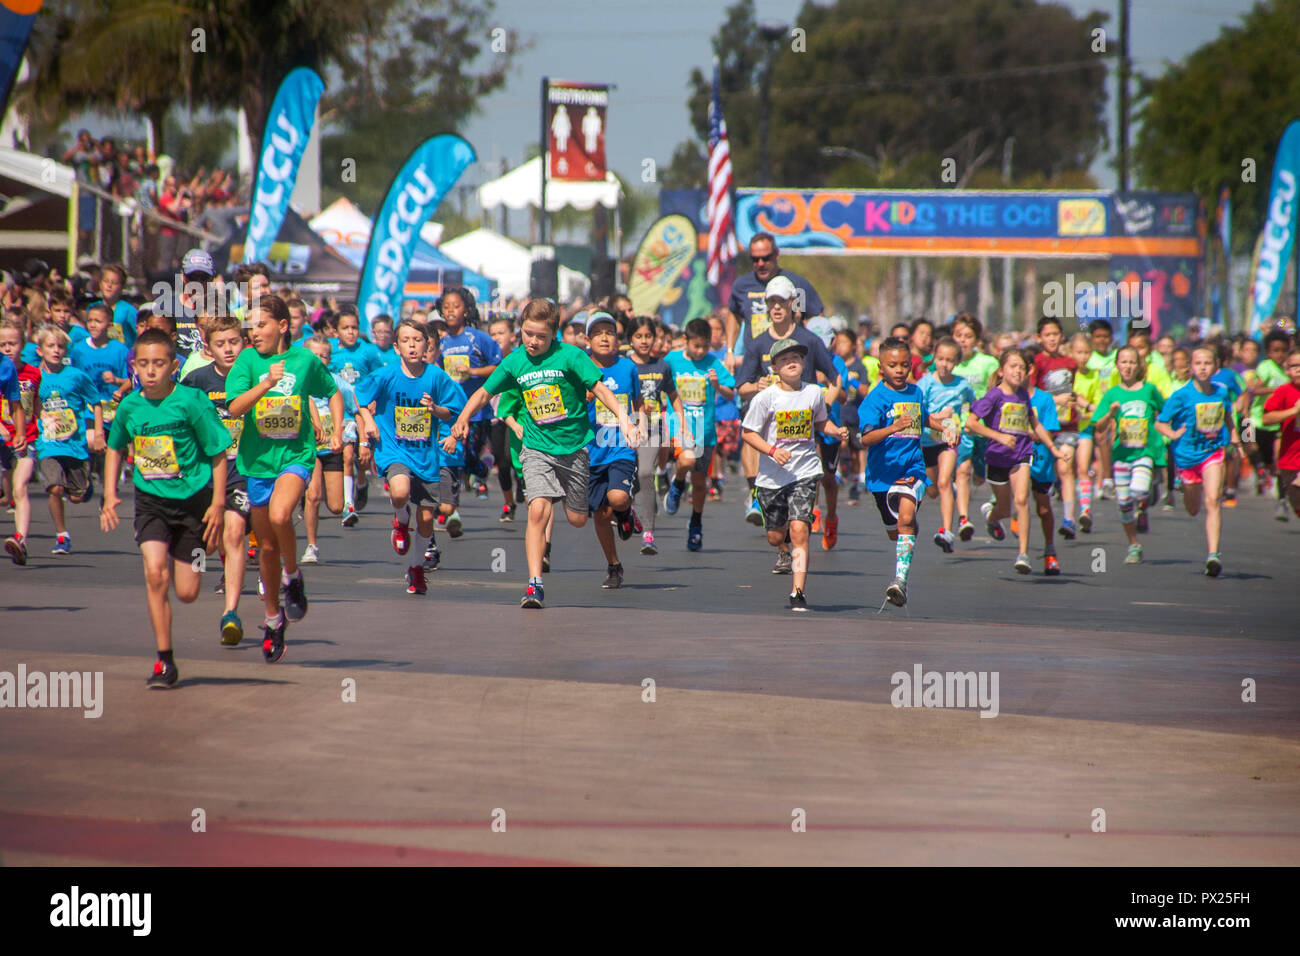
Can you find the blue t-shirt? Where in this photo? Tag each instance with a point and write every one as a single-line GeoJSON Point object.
{"type": "Point", "coordinates": [323, 410]}
{"type": "Point", "coordinates": [472, 348]}
{"type": "Point", "coordinates": [697, 393]}
{"type": "Point", "coordinates": [388, 356]}
{"type": "Point", "coordinates": [1044, 467]}
{"type": "Point", "coordinates": [899, 455]}
{"type": "Point", "coordinates": [1230, 380]}
{"type": "Point", "coordinates": [724, 409]}
{"type": "Point", "coordinates": [354, 364]}
{"type": "Point", "coordinates": [940, 397]}
{"type": "Point", "coordinates": [408, 431]}
{"type": "Point", "coordinates": [835, 412]}
{"type": "Point", "coordinates": [9, 381]}
{"type": "Point", "coordinates": [607, 442]}
{"type": "Point", "coordinates": [1206, 418]}
{"type": "Point", "coordinates": [95, 362]}
{"type": "Point", "coordinates": [66, 397]}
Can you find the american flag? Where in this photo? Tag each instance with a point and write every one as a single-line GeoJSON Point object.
{"type": "Point", "coordinates": [722, 233]}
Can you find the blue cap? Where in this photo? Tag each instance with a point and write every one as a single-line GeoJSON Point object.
{"type": "Point", "coordinates": [598, 317]}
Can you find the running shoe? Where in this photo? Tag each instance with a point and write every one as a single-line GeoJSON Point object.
{"type": "Point", "coordinates": [232, 629]}
{"type": "Point", "coordinates": [350, 518]}
{"type": "Point", "coordinates": [1107, 490]}
{"type": "Point", "coordinates": [62, 546]}
{"type": "Point", "coordinates": [831, 533]}
{"type": "Point", "coordinates": [362, 493]}
{"type": "Point", "coordinates": [293, 596]}
{"type": "Point", "coordinates": [310, 555]}
{"type": "Point", "coordinates": [1213, 565]}
{"type": "Point", "coordinates": [1169, 503]}
{"type": "Point", "coordinates": [797, 601]}
{"type": "Point", "coordinates": [534, 596]}
{"type": "Point", "coordinates": [626, 528]}
{"type": "Point", "coordinates": [614, 577]}
{"type": "Point", "coordinates": [455, 528]}
{"type": "Point", "coordinates": [994, 527]}
{"type": "Point", "coordinates": [637, 527]}
{"type": "Point", "coordinates": [896, 593]}
{"type": "Point", "coordinates": [695, 540]}
{"type": "Point", "coordinates": [252, 552]}
{"type": "Point", "coordinates": [546, 560]}
{"type": "Point", "coordinates": [1153, 495]}
{"type": "Point", "coordinates": [1229, 501]}
{"type": "Point", "coordinates": [442, 519]}
{"type": "Point", "coordinates": [1022, 564]}
{"type": "Point", "coordinates": [415, 580]}
{"type": "Point", "coordinates": [1051, 565]}
{"type": "Point", "coordinates": [220, 586]}
{"type": "Point", "coordinates": [431, 558]}
{"type": "Point", "coordinates": [754, 512]}
{"type": "Point", "coordinates": [1143, 524]}
{"type": "Point", "coordinates": [965, 530]}
{"type": "Point", "coordinates": [1281, 512]}
{"type": "Point", "coordinates": [400, 537]}
{"type": "Point", "coordinates": [673, 499]}
{"type": "Point", "coordinates": [1067, 529]}
{"type": "Point", "coordinates": [944, 540]}
{"type": "Point", "coordinates": [1085, 521]}
{"type": "Point", "coordinates": [714, 494]}
{"type": "Point", "coordinates": [1015, 526]}
{"type": "Point", "coordinates": [1134, 554]}
{"type": "Point", "coordinates": [784, 563]}
{"type": "Point", "coordinates": [164, 676]}
{"type": "Point", "coordinates": [507, 513]}
{"type": "Point", "coordinates": [17, 549]}
{"type": "Point", "coordinates": [273, 643]}
{"type": "Point", "coordinates": [648, 544]}
{"type": "Point", "coordinates": [261, 588]}
{"type": "Point", "coordinates": [481, 491]}
{"type": "Point", "coordinates": [817, 521]}
{"type": "Point", "coordinates": [855, 492]}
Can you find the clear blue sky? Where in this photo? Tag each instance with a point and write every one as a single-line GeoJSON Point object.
{"type": "Point", "coordinates": [648, 49]}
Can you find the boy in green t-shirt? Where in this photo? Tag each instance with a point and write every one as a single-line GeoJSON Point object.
{"type": "Point", "coordinates": [553, 380]}
{"type": "Point", "coordinates": [180, 484]}
{"type": "Point", "coordinates": [1266, 380]}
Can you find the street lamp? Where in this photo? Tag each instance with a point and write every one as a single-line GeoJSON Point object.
{"type": "Point", "coordinates": [772, 33]}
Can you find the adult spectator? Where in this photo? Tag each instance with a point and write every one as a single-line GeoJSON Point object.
{"type": "Point", "coordinates": [746, 313]}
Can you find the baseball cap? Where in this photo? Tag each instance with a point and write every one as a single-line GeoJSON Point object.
{"type": "Point", "coordinates": [598, 317]}
{"type": "Point", "coordinates": [779, 287]}
{"type": "Point", "coordinates": [196, 260]}
{"type": "Point", "coordinates": [579, 319]}
{"type": "Point", "coordinates": [782, 346]}
{"type": "Point", "coordinates": [821, 327]}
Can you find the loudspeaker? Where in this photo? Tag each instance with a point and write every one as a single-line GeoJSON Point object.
{"type": "Point", "coordinates": [602, 278]}
{"type": "Point", "coordinates": [544, 279]}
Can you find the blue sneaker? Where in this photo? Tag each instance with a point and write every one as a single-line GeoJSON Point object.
{"type": "Point", "coordinates": [1067, 529]}
{"type": "Point", "coordinates": [534, 596]}
{"type": "Point", "coordinates": [695, 541]}
{"type": "Point", "coordinates": [63, 545]}
{"type": "Point", "coordinates": [232, 629]}
{"type": "Point", "coordinates": [673, 500]}
{"type": "Point", "coordinates": [754, 513]}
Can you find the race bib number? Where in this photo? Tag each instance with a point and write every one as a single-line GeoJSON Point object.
{"type": "Point", "coordinates": [545, 404]}
{"type": "Point", "coordinates": [110, 411]}
{"type": "Point", "coordinates": [794, 425]}
{"type": "Point", "coordinates": [327, 429]}
{"type": "Point", "coordinates": [29, 402]}
{"type": "Point", "coordinates": [1209, 418]}
{"type": "Point", "coordinates": [115, 332]}
{"type": "Point", "coordinates": [1015, 419]}
{"type": "Point", "coordinates": [604, 416]}
{"type": "Point", "coordinates": [413, 423]}
{"type": "Point", "coordinates": [457, 366]}
{"type": "Point", "coordinates": [235, 427]}
{"type": "Point", "coordinates": [58, 424]}
{"type": "Point", "coordinates": [951, 430]}
{"type": "Point", "coordinates": [155, 457]}
{"type": "Point", "coordinates": [759, 322]}
{"type": "Point", "coordinates": [653, 409]}
{"type": "Point", "coordinates": [279, 416]}
{"type": "Point", "coordinates": [692, 388]}
{"type": "Point", "coordinates": [912, 409]}
{"type": "Point", "coordinates": [1133, 432]}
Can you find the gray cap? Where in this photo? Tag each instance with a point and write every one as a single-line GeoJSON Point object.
{"type": "Point", "coordinates": [196, 260]}
{"type": "Point", "coordinates": [782, 346]}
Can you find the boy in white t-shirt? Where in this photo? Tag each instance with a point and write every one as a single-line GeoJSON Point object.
{"type": "Point", "coordinates": [780, 424]}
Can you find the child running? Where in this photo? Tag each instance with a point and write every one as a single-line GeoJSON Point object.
{"type": "Point", "coordinates": [1005, 416]}
{"type": "Point", "coordinates": [277, 448]}
{"type": "Point", "coordinates": [1043, 475]}
{"type": "Point", "coordinates": [225, 342]}
{"type": "Point", "coordinates": [1132, 405]}
{"type": "Point", "coordinates": [779, 424]}
{"type": "Point", "coordinates": [67, 396]}
{"type": "Point", "coordinates": [1197, 419]}
{"type": "Point", "coordinates": [21, 443]}
{"type": "Point", "coordinates": [103, 359]}
{"type": "Point", "coordinates": [658, 393]}
{"type": "Point", "coordinates": [329, 473]}
{"type": "Point", "coordinates": [554, 379]}
{"type": "Point", "coordinates": [397, 406]}
{"type": "Point", "coordinates": [180, 485]}
{"type": "Point", "coordinates": [1282, 411]}
{"type": "Point", "coordinates": [977, 368]}
{"type": "Point", "coordinates": [948, 396]}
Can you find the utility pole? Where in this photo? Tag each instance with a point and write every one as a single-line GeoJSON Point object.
{"type": "Point", "coordinates": [1123, 94]}
{"type": "Point", "coordinates": [1008, 295]}
{"type": "Point", "coordinates": [771, 33]}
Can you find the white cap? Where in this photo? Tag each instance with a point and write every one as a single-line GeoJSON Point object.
{"type": "Point", "coordinates": [779, 287]}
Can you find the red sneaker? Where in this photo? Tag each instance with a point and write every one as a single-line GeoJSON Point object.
{"type": "Point", "coordinates": [830, 534]}
{"type": "Point", "coordinates": [401, 537]}
{"type": "Point", "coordinates": [1051, 565]}
{"type": "Point", "coordinates": [817, 520]}
{"type": "Point", "coordinates": [415, 580]}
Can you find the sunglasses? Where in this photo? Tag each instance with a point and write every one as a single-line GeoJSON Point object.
{"type": "Point", "coordinates": [771, 258]}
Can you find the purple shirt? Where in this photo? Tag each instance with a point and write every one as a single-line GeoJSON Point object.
{"type": "Point", "coordinates": [1012, 414]}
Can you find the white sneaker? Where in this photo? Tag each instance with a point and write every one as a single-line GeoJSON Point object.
{"type": "Point", "coordinates": [1108, 489]}
{"type": "Point", "coordinates": [310, 555]}
{"type": "Point", "coordinates": [1282, 512]}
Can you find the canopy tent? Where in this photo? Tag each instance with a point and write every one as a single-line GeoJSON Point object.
{"type": "Point", "coordinates": [34, 209]}
{"type": "Point", "coordinates": [299, 258]}
{"type": "Point", "coordinates": [508, 263]}
{"type": "Point", "coordinates": [522, 187]}
{"type": "Point", "coordinates": [346, 230]}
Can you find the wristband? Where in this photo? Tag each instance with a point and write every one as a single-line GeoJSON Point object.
{"type": "Point", "coordinates": [771, 451]}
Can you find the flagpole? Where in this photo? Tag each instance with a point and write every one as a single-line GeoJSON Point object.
{"type": "Point", "coordinates": [542, 141]}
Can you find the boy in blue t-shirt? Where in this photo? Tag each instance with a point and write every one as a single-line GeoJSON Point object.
{"type": "Point", "coordinates": [1042, 473]}
{"type": "Point", "coordinates": [948, 396]}
{"type": "Point", "coordinates": [66, 397]}
{"type": "Point", "coordinates": [104, 360]}
{"type": "Point", "coordinates": [699, 378]}
{"type": "Point", "coordinates": [892, 417]}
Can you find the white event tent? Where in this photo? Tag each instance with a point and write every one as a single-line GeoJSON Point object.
{"type": "Point", "coordinates": [508, 263]}
{"type": "Point", "coordinates": [522, 187]}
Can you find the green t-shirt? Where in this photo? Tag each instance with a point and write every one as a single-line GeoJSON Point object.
{"type": "Point", "coordinates": [196, 360]}
{"type": "Point", "coordinates": [277, 430]}
{"type": "Point", "coordinates": [977, 370]}
{"type": "Point", "coordinates": [1267, 373]}
{"type": "Point", "coordinates": [511, 405]}
{"type": "Point", "coordinates": [174, 440]}
{"type": "Point", "coordinates": [1135, 422]}
{"type": "Point", "coordinates": [553, 388]}
{"type": "Point", "coordinates": [1103, 364]}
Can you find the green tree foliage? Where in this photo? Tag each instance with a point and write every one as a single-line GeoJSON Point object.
{"type": "Point", "coordinates": [1227, 102]}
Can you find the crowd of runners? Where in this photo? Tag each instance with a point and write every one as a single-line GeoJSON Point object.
{"type": "Point", "coordinates": [234, 425]}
